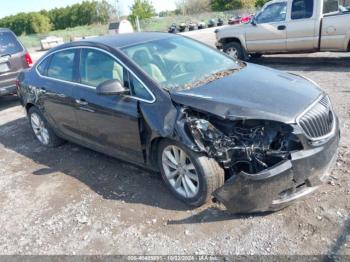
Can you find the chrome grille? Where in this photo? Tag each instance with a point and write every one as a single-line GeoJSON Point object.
{"type": "Point", "coordinates": [318, 121]}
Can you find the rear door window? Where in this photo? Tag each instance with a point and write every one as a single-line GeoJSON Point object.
{"type": "Point", "coordinates": [43, 66]}
{"type": "Point", "coordinates": [302, 9]}
{"type": "Point", "coordinates": [62, 65]}
{"type": "Point", "coordinates": [9, 44]}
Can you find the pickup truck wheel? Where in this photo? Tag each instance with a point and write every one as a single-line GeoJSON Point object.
{"type": "Point", "coordinates": [190, 176]}
{"type": "Point", "coordinates": [42, 130]}
{"type": "Point", "coordinates": [235, 50]}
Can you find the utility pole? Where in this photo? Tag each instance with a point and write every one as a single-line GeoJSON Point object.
{"type": "Point", "coordinates": [138, 24]}
{"type": "Point", "coordinates": [117, 9]}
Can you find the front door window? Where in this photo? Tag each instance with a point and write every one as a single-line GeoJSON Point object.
{"type": "Point", "coordinates": [97, 67]}
{"type": "Point", "coordinates": [273, 13]}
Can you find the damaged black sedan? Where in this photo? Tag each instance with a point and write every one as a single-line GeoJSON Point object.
{"type": "Point", "coordinates": [254, 138]}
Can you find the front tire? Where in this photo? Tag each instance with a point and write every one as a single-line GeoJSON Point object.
{"type": "Point", "coordinates": [190, 176]}
{"type": "Point", "coordinates": [42, 130]}
{"type": "Point", "coordinates": [234, 50]}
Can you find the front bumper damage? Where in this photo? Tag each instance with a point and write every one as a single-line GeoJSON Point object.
{"type": "Point", "coordinates": [278, 186]}
{"type": "Point", "coordinates": [267, 165]}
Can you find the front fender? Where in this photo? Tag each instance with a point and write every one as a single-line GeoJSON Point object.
{"type": "Point", "coordinates": [152, 130]}
{"type": "Point", "coordinates": [226, 35]}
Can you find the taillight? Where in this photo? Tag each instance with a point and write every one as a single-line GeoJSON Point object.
{"type": "Point", "coordinates": [28, 60]}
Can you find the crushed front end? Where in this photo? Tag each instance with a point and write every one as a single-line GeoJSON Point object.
{"type": "Point", "coordinates": [268, 164]}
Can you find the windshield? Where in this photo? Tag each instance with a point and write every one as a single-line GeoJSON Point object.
{"type": "Point", "coordinates": [9, 44]}
{"type": "Point", "coordinates": [179, 63]}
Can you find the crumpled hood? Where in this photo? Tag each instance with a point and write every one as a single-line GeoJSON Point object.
{"type": "Point", "coordinates": [254, 92]}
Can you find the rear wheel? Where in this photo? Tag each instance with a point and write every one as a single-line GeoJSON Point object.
{"type": "Point", "coordinates": [235, 50]}
{"type": "Point", "coordinates": [190, 176]}
{"type": "Point", "coordinates": [42, 130]}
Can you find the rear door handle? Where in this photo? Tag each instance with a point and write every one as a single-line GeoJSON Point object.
{"type": "Point", "coordinates": [281, 27]}
{"type": "Point", "coordinates": [81, 102]}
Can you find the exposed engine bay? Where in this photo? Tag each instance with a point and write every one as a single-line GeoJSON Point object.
{"type": "Point", "coordinates": [243, 145]}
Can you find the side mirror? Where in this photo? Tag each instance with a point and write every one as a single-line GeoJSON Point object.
{"type": "Point", "coordinates": [111, 88]}
{"type": "Point", "coordinates": [253, 22]}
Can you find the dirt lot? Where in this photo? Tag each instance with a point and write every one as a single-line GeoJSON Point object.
{"type": "Point", "coordinates": [71, 200]}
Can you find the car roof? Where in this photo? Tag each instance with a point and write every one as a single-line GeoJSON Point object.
{"type": "Point", "coordinates": [4, 29]}
{"type": "Point", "coordinates": [275, 2]}
{"type": "Point", "coordinates": [129, 39]}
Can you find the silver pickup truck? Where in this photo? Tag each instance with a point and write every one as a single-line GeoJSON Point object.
{"type": "Point", "coordinates": [289, 26]}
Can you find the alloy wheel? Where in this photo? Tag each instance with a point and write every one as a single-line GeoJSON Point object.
{"type": "Point", "coordinates": [39, 129]}
{"type": "Point", "coordinates": [233, 52]}
{"type": "Point", "coordinates": [180, 171]}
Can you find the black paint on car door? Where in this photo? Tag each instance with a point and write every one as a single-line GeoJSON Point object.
{"type": "Point", "coordinates": [55, 90]}
{"type": "Point", "coordinates": [107, 123]}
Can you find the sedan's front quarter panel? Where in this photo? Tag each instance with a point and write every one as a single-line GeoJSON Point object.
{"type": "Point", "coordinates": [162, 120]}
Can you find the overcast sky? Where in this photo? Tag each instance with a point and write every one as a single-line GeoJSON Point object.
{"type": "Point", "coordinates": [11, 7]}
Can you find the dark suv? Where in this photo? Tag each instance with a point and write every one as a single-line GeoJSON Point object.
{"type": "Point", "coordinates": [13, 58]}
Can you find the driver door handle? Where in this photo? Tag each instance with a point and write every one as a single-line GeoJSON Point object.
{"type": "Point", "coordinates": [281, 27]}
{"type": "Point", "coordinates": [42, 90]}
{"type": "Point", "coordinates": [81, 102]}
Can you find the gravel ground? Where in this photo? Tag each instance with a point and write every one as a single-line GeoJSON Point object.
{"type": "Point", "coordinates": [71, 200]}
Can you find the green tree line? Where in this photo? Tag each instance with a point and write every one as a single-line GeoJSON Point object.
{"type": "Point", "coordinates": [85, 13]}
{"type": "Point", "coordinates": [144, 8]}
{"type": "Point", "coordinates": [223, 5]}
{"type": "Point", "coordinates": [90, 12]}
{"type": "Point", "coordinates": [199, 6]}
